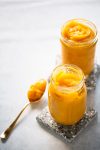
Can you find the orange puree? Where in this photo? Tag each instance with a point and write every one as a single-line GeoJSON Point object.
{"type": "Point", "coordinates": [67, 94]}
{"type": "Point", "coordinates": [36, 90]}
{"type": "Point", "coordinates": [78, 41]}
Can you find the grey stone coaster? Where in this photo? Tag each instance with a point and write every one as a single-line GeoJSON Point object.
{"type": "Point", "coordinates": [92, 78]}
{"type": "Point", "coordinates": [68, 133]}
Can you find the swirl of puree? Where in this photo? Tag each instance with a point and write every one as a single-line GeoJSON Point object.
{"type": "Point", "coordinates": [78, 41]}
{"type": "Point", "coordinates": [67, 94]}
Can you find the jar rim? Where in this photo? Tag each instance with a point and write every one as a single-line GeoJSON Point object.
{"type": "Point", "coordinates": [73, 43]}
{"type": "Point", "coordinates": [66, 88]}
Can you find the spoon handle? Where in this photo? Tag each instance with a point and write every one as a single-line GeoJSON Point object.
{"type": "Point", "coordinates": [4, 135]}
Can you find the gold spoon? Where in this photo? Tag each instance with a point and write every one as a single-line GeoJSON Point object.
{"type": "Point", "coordinates": [34, 94]}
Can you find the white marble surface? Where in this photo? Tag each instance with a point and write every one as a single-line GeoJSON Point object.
{"type": "Point", "coordinates": [29, 43]}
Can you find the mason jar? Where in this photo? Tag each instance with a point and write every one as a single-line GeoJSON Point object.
{"type": "Point", "coordinates": [67, 94]}
{"type": "Point", "coordinates": [78, 44]}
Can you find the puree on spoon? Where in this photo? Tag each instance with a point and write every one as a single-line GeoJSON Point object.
{"type": "Point", "coordinates": [36, 90]}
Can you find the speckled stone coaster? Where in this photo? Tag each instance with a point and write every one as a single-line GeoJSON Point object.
{"type": "Point", "coordinates": [68, 133]}
{"type": "Point", "coordinates": [92, 78]}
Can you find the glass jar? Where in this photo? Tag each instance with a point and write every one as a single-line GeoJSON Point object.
{"type": "Point", "coordinates": [67, 94]}
{"type": "Point", "coordinates": [78, 43]}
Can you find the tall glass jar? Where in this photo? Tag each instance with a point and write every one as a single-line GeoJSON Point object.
{"type": "Point", "coordinates": [78, 43]}
{"type": "Point", "coordinates": [67, 94]}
